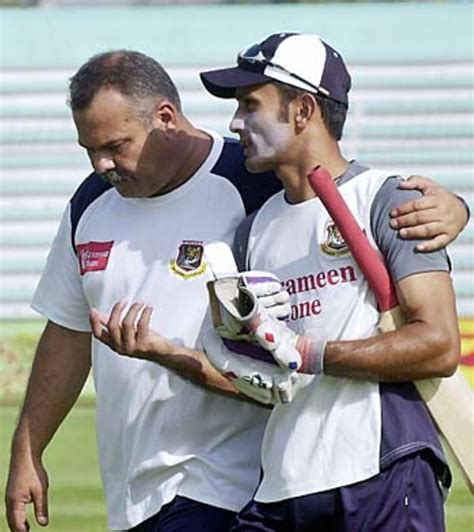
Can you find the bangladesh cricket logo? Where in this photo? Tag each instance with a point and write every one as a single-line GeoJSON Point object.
{"type": "Point", "coordinates": [334, 244]}
{"type": "Point", "coordinates": [189, 261]}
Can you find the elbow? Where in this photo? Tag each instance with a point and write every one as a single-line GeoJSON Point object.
{"type": "Point", "coordinates": [448, 364]}
{"type": "Point", "coordinates": [448, 354]}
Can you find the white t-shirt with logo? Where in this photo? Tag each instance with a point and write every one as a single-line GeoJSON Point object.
{"type": "Point", "coordinates": [158, 435]}
{"type": "Point", "coordinates": [330, 434]}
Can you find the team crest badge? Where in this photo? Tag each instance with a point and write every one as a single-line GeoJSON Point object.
{"type": "Point", "coordinates": [189, 261]}
{"type": "Point", "coordinates": [334, 244]}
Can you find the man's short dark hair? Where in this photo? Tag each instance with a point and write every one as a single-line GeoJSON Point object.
{"type": "Point", "coordinates": [133, 74]}
{"type": "Point", "coordinates": [333, 113]}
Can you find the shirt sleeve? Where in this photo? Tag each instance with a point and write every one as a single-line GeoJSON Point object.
{"type": "Point", "coordinates": [59, 296]}
{"type": "Point", "coordinates": [401, 257]}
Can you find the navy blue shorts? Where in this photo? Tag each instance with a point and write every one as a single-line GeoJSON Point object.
{"type": "Point", "coordinates": [186, 515]}
{"type": "Point", "coordinates": [404, 497]}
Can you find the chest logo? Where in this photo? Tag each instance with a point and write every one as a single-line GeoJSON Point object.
{"type": "Point", "coordinates": [189, 261]}
{"type": "Point", "coordinates": [93, 256]}
{"type": "Point", "coordinates": [334, 244]}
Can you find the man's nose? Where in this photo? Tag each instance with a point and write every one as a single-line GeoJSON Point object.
{"type": "Point", "coordinates": [236, 124]}
{"type": "Point", "coordinates": [102, 163]}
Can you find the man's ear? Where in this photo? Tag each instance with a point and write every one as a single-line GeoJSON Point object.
{"type": "Point", "coordinates": [305, 110]}
{"type": "Point", "coordinates": [165, 115]}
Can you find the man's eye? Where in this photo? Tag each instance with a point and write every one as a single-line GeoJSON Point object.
{"type": "Point", "coordinates": [117, 148]}
{"type": "Point", "coordinates": [251, 106]}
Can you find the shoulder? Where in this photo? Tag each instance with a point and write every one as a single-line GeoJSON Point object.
{"type": "Point", "coordinates": [390, 192]}
{"type": "Point", "coordinates": [88, 191]}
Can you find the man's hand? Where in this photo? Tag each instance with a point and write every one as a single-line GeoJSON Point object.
{"type": "Point", "coordinates": [291, 351]}
{"type": "Point", "coordinates": [233, 299]}
{"type": "Point", "coordinates": [130, 336]}
{"type": "Point", "coordinates": [437, 216]}
{"type": "Point", "coordinates": [27, 483]}
{"type": "Point", "coordinates": [263, 382]}
{"type": "Point", "coordinates": [241, 313]}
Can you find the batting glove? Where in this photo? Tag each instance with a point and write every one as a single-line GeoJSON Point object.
{"type": "Point", "coordinates": [291, 351]}
{"type": "Point", "coordinates": [243, 318]}
{"type": "Point", "coordinates": [235, 299]}
{"type": "Point", "coordinates": [265, 383]}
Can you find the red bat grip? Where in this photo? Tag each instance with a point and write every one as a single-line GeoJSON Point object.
{"type": "Point", "coordinates": [370, 263]}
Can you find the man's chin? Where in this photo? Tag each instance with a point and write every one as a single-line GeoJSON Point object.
{"type": "Point", "coordinates": [126, 190]}
{"type": "Point", "coordinates": [256, 166]}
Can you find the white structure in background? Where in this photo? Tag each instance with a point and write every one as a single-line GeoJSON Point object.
{"type": "Point", "coordinates": [413, 118]}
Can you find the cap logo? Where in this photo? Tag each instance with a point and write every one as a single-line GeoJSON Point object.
{"type": "Point", "coordinates": [257, 57]}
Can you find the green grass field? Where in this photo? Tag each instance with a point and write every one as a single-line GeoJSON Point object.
{"type": "Point", "coordinates": [76, 502]}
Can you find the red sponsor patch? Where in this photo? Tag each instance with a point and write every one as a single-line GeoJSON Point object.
{"type": "Point", "coordinates": [93, 256]}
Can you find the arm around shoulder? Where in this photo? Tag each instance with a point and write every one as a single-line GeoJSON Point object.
{"type": "Point", "coordinates": [437, 217]}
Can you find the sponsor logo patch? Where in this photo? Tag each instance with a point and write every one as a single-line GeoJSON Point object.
{"type": "Point", "coordinates": [93, 256]}
{"type": "Point", "coordinates": [189, 261]}
{"type": "Point", "coordinates": [333, 244]}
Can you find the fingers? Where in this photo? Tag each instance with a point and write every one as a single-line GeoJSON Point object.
{"type": "Point", "coordinates": [128, 332]}
{"type": "Point", "coordinates": [417, 182]}
{"type": "Point", "coordinates": [415, 206]}
{"type": "Point", "coordinates": [265, 288]}
{"type": "Point", "coordinates": [16, 511]}
{"type": "Point", "coordinates": [16, 516]}
{"type": "Point", "coordinates": [428, 230]}
{"type": "Point", "coordinates": [279, 298]}
{"type": "Point", "coordinates": [114, 325]}
{"type": "Point", "coordinates": [417, 218]}
{"type": "Point", "coordinates": [40, 503]}
{"type": "Point", "coordinates": [123, 335]}
{"type": "Point", "coordinates": [98, 325]}
{"type": "Point", "coordinates": [435, 243]}
{"type": "Point", "coordinates": [143, 324]}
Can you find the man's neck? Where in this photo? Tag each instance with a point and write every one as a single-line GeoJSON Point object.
{"type": "Point", "coordinates": [191, 148]}
{"type": "Point", "coordinates": [295, 177]}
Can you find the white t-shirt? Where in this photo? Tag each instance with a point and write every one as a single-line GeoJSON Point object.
{"type": "Point", "coordinates": [158, 435]}
{"type": "Point", "coordinates": [330, 435]}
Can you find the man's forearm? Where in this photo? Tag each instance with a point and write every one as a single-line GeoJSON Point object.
{"type": "Point", "coordinates": [193, 366]}
{"type": "Point", "coordinates": [427, 346]}
{"type": "Point", "coordinates": [410, 353]}
{"type": "Point", "coordinates": [60, 368]}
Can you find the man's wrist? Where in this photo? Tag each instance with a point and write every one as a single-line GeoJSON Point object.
{"type": "Point", "coordinates": [312, 347]}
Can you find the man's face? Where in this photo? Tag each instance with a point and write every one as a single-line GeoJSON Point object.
{"type": "Point", "coordinates": [121, 144]}
{"type": "Point", "coordinates": [263, 135]}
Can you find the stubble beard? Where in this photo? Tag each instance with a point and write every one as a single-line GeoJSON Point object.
{"type": "Point", "coordinates": [114, 177]}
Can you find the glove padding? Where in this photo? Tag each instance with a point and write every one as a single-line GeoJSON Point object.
{"type": "Point", "coordinates": [291, 351]}
{"type": "Point", "coordinates": [265, 383]}
{"type": "Point", "coordinates": [235, 299]}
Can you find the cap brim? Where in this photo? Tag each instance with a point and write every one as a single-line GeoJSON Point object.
{"type": "Point", "coordinates": [223, 83]}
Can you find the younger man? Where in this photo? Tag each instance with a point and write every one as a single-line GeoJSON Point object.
{"type": "Point", "coordinates": [355, 449]}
